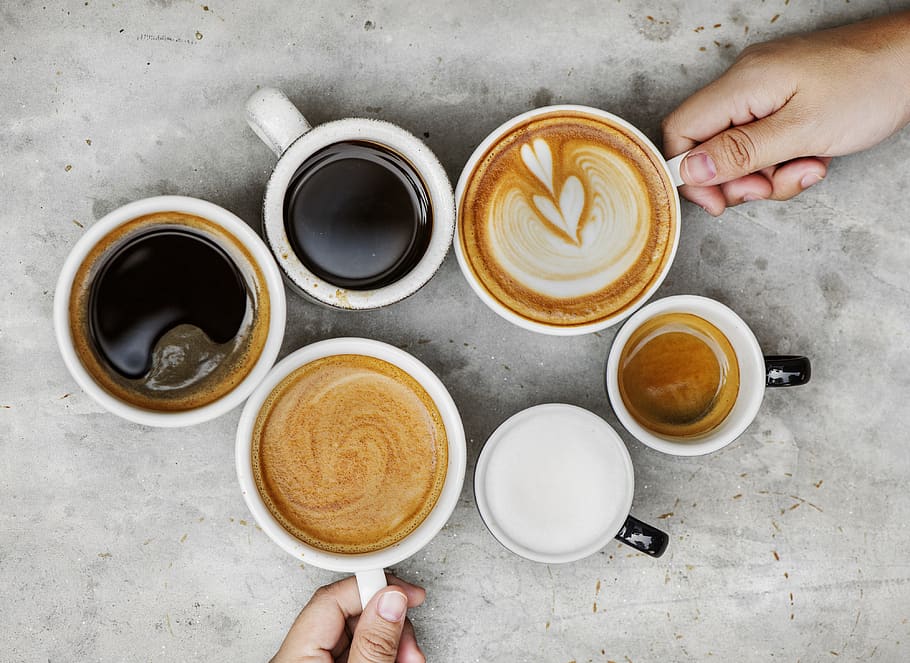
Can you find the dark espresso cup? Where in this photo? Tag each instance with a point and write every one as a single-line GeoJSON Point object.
{"type": "Point", "coordinates": [358, 212]}
{"type": "Point", "coordinates": [686, 375]}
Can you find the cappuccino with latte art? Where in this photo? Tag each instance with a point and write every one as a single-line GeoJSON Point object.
{"type": "Point", "coordinates": [567, 220]}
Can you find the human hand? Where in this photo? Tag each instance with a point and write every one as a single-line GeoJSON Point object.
{"type": "Point", "coordinates": [768, 127]}
{"type": "Point", "coordinates": [331, 628]}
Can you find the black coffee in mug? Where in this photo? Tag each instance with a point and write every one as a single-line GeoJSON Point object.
{"type": "Point", "coordinates": [169, 312]}
{"type": "Point", "coordinates": [155, 282]}
{"type": "Point", "coordinates": [358, 215]}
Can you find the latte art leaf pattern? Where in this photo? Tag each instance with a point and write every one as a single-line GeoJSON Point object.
{"type": "Point", "coordinates": [565, 216]}
{"type": "Point", "coordinates": [578, 246]}
{"type": "Point", "coordinates": [567, 219]}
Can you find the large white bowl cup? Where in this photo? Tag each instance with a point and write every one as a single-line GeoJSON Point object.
{"type": "Point", "coordinates": [367, 566]}
{"type": "Point", "coordinates": [671, 168]}
{"type": "Point", "coordinates": [240, 230]}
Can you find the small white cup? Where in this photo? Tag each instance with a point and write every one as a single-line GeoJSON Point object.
{"type": "Point", "coordinates": [756, 371]}
{"type": "Point", "coordinates": [368, 567]}
{"type": "Point", "coordinates": [192, 206]}
{"type": "Point", "coordinates": [671, 168]}
{"type": "Point", "coordinates": [281, 126]}
{"type": "Point", "coordinates": [554, 484]}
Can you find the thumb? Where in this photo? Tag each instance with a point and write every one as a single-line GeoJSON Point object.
{"type": "Point", "coordinates": [378, 631]}
{"type": "Point", "coordinates": [744, 149]}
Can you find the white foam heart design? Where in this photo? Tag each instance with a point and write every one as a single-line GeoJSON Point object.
{"type": "Point", "coordinates": [566, 214]}
{"type": "Point", "coordinates": [539, 161]}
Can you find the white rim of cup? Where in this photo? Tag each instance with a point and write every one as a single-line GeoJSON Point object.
{"type": "Point", "coordinates": [493, 303]}
{"type": "Point", "coordinates": [610, 436]}
{"type": "Point", "coordinates": [216, 214]}
{"type": "Point", "coordinates": [445, 504]}
{"type": "Point", "coordinates": [751, 368]}
{"type": "Point", "coordinates": [424, 162]}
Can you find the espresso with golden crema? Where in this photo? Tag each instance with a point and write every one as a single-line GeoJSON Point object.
{"type": "Point", "coordinates": [567, 219]}
{"type": "Point", "coordinates": [169, 312]}
{"type": "Point", "coordinates": [678, 375]}
{"type": "Point", "coordinates": [349, 454]}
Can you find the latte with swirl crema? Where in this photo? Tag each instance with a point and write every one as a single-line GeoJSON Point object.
{"type": "Point", "coordinates": [568, 219]}
{"type": "Point", "coordinates": [349, 454]}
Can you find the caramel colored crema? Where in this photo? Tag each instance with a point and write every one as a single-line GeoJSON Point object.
{"type": "Point", "coordinates": [678, 375]}
{"type": "Point", "coordinates": [161, 307]}
{"type": "Point", "coordinates": [349, 454]}
{"type": "Point", "coordinates": [567, 219]}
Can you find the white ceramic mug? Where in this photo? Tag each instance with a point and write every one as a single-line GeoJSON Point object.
{"type": "Point", "coordinates": [670, 168]}
{"type": "Point", "coordinates": [240, 231]}
{"type": "Point", "coordinates": [287, 133]}
{"type": "Point", "coordinates": [554, 484]}
{"type": "Point", "coordinates": [368, 567]}
{"type": "Point", "coordinates": [756, 371]}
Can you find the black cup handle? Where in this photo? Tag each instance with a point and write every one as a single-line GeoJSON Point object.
{"type": "Point", "coordinates": [644, 538]}
{"type": "Point", "coordinates": [787, 370]}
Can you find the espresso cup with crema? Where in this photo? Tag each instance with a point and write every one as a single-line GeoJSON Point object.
{"type": "Point", "coordinates": [554, 484]}
{"type": "Point", "coordinates": [686, 376]}
{"type": "Point", "coordinates": [358, 212]}
{"type": "Point", "coordinates": [169, 310]}
{"type": "Point", "coordinates": [568, 219]}
{"type": "Point", "coordinates": [351, 457]}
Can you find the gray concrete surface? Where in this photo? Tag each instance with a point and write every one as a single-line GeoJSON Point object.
{"type": "Point", "coordinates": [124, 543]}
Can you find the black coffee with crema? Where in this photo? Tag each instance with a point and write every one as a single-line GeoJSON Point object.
{"type": "Point", "coordinates": [357, 215]}
{"type": "Point", "coordinates": [169, 312]}
{"type": "Point", "coordinates": [156, 282]}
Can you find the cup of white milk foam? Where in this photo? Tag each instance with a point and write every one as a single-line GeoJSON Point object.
{"type": "Point", "coordinates": [554, 484]}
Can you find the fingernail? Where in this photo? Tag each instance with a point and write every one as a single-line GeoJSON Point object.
{"type": "Point", "coordinates": [809, 180]}
{"type": "Point", "coordinates": [700, 168]}
{"type": "Point", "coordinates": [392, 606]}
{"type": "Point", "coordinates": [749, 197]}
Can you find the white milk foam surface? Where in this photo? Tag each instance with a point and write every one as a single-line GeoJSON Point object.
{"type": "Point", "coordinates": [554, 483]}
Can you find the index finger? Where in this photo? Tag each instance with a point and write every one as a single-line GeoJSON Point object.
{"type": "Point", "coordinates": [738, 97]}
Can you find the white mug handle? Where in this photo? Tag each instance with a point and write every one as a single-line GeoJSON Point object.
{"type": "Point", "coordinates": [673, 165]}
{"type": "Point", "coordinates": [275, 119]}
{"type": "Point", "coordinates": [368, 583]}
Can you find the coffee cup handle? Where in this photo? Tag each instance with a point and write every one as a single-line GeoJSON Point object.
{"type": "Point", "coordinates": [643, 537]}
{"type": "Point", "coordinates": [275, 119]}
{"type": "Point", "coordinates": [787, 370]}
{"type": "Point", "coordinates": [368, 583]}
{"type": "Point", "coordinates": [673, 165]}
